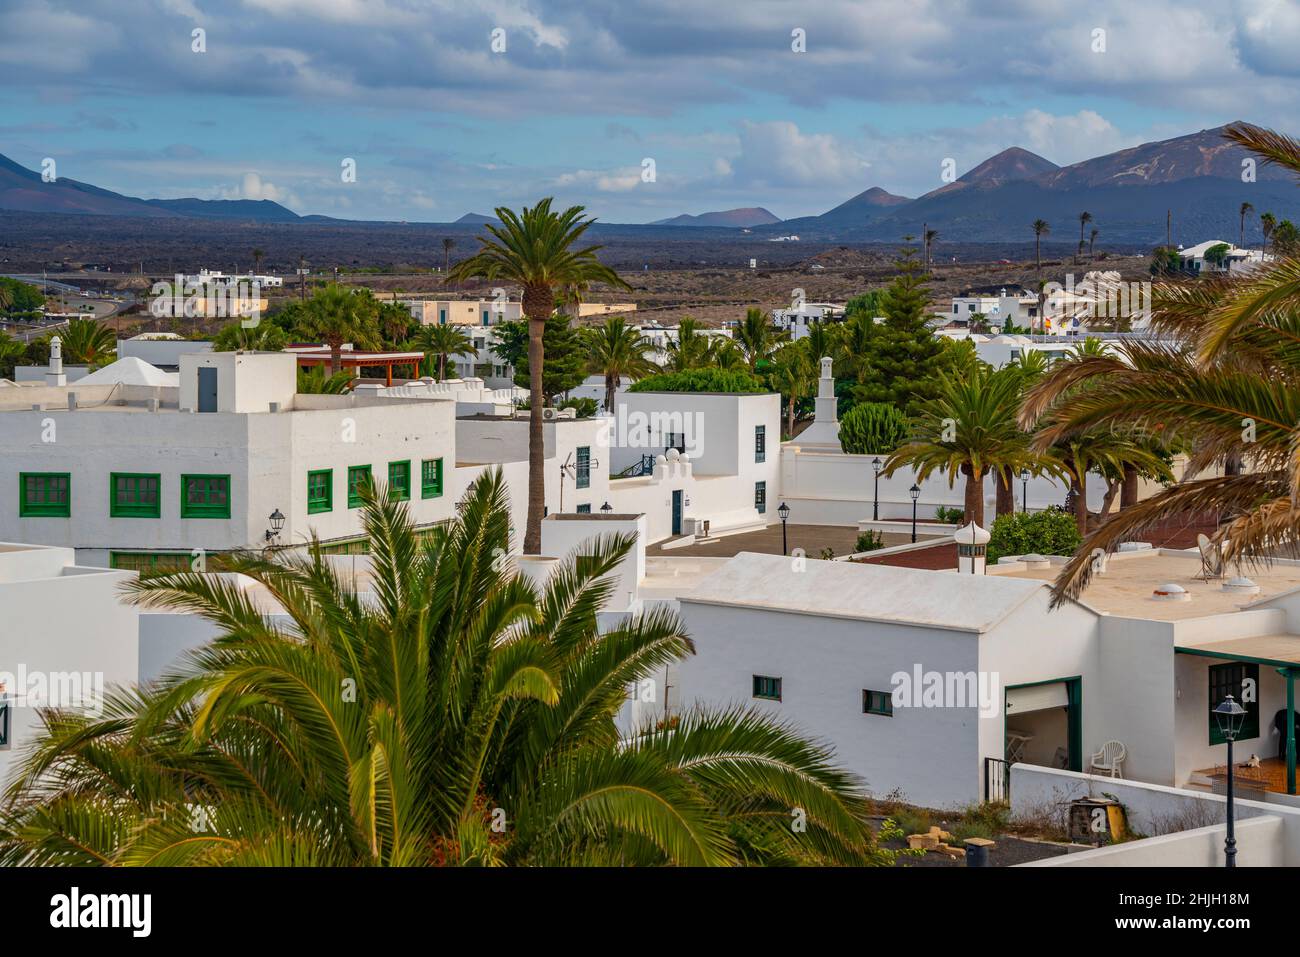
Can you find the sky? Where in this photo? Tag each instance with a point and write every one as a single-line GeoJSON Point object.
{"type": "Point", "coordinates": [636, 109]}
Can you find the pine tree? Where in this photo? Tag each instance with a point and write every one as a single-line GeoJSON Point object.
{"type": "Point", "coordinates": [564, 356]}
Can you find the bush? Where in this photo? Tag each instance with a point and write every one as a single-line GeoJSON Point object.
{"type": "Point", "coordinates": [585, 407]}
{"type": "Point", "coordinates": [1051, 532]}
{"type": "Point", "coordinates": [700, 380]}
{"type": "Point", "coordinates": [872, 428]}
{"type": "Point", "coordinates": [869, 541]}
{"type": "Point", "coordinates": [950, 516]}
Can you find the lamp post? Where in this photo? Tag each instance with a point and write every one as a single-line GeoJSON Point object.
{"type": "Point", "coordinates": [915, 492]}
{"type": "Point", "coordinates": [1024, 491]}
{"type": "Point", "coordinates": [1230, 716]}
{"type": "Point", "coordinates": [875, 502]}
{"type": "Point", "coordinates": [784, 512]}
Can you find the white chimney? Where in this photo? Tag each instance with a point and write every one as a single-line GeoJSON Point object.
{"type": "Point", "coordinates": [55, 376]}
{"type": "Point", "coordinates": [972, 548]}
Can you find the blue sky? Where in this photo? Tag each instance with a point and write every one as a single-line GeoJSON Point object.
{"type": "Point", "coordinates": [439, 123]}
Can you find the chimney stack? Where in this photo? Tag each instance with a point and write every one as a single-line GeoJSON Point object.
{"type": "Point", "coordinates": [972, 548]}
{"type": "Point", "coordinates": [55, 376]}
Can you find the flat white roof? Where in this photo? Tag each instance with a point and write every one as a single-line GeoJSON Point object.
{"type": "Point", "coordinates": [905, 596]}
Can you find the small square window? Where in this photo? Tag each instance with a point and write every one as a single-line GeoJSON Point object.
{"type": "Point", "coordinates": [205, 496]}
{"type": "Point", "coordinates": [431, 478]}
{"type": "Point", "coordinates": [359, 477]}
{"type": "Point", "coordinates": [767, 687]}
{"type": "Point", "coordinates": [134, 495]}
{"type": "Point", "coordinates": [44, 495]}
{"type": "Point", "coordinates": [399, 481]}
{"type": "Point", "coordinates": [320, 491]}
{"type": "Point", "coordinates": [878, 702]}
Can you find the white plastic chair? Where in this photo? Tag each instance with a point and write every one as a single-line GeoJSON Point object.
{"type": "Point", "coordinates": [1110, 759]}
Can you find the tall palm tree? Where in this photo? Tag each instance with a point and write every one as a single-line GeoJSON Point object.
{"type": "Point", "coordinates": [533, 249]}
{"type": "Point", "coordinates": [617, 350]}
{"type": "Point", "coordinates": [967, 429]}
{"type": "Point", "coordinates": [448, 244]}
{"type": "Point", "coordinates": [452, 713]}
{"type": "Point", "coordinates": [1040, 226]}
{"type": "Point", "coordinates": [1267, 223]}
{"type": "Point", "coordinates": [258, 256]}
{"type": "Point", "coordinates": [757, 337]}
{"type": "Point", "coordinates": [335, 315]}
{"type": "Point", "coordinates": [726, 353]}
{"type": "Point", "coordinates": [929, 237]}
{"type": "Point", "coordinates": [1084, 219]}
{"type": "Point", "coordinates": [441, 342]}
{"type": "Point", "coordinates": [1245, 208]}
{"type": "Point", "coordinates": [1092, 241]}
{"type": "Point", "coordinates": [690, 349]}
{"type": "Point", "coordinates": [794, 375]}
{"type": "Point", "coordinates": [88, 342]}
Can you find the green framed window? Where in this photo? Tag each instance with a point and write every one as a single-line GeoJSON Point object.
{"type": "Point", "coordinates": [135, 495]}
{"type": "Point", "coordinates": [767, 687]}
{"type": "Point", "coordinates": [320, 491]}
{"type": "Point", "coordinates": [431, 478]}
{"type": "Point", "coordinates": [205, 496]}
{"type": "Point", "coordinates": [44, 495]}
{"type": "Point", "coordinates": [359, 477]}
{"type": "Point", "coordinates": [760, 443]}
{"type": "Point", "coordinates": [152, 563]}
{"type": "Point", "coordinates": [583, 472]}
{"type": "Point", "coordinates": [878, 702]}
{"type": "Point", "coordinates": [584, 509]}
{"type": "Point", "coordinates": [1241, 680]}
{"type": "Point", "coordinates": [399, 480]}
{"type": "Point", "coordinates": [760, 497]}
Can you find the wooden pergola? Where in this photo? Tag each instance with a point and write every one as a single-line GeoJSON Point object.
{"type": "Point", "coordinates": [350, 359]}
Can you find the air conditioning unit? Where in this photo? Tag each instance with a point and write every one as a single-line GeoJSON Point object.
{"type": "Point", "coordinates": [549, 413]}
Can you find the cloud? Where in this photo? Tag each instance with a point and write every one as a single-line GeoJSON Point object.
{"type": "Point", "coordinates": [252, 186]}
{"type": "Point", "coordinates": [777, 153]}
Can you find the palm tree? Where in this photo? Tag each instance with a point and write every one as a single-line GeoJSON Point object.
{"type": "Point", "coordinates": [533, 250]}
{"type": "Point", "coordinates": [967, 429]}
{"type": "Point", "coordinates": [335, 315]}
{"type": "Point", "coordinates": [757, 337]}
{"type": "Point", "coordinates": [726, 353]}
{"type": "Point", "coordinates": [448, 244]}
{"type": "Point", "coordinates": [394, 322]}
{"type": "Point", "coordinates": [6, 295]}
{"type": "Point", "coordinates": [929, 236]}
{"type": "Point", "coordinates": [1267, 223]}
{"type": "Point", "coordinates": [1084, 219]}
{"type": "Point", "coordinates": [442, 341]}
{"type": "Point", "coordinates": [1245, 208]}
{"type": "Point", "coordinates": [314, 380]}
{"type": "Point", "coordinates": [88, 342]}
{"type": "Point", "coordinates": [258, 256]}
{"type": "Point", "coordinates": [1040, 226]}
{"type": "Point", "coordinates": [689, 350]}
{"type": "Point", "coordinates": [618, 350]}
{"type": "Point", "coordinates": [1092, 241]}
{"type": "Point", "coordinates": [793, 374]}
{"type": "Point", "coordinates": [452, 713]}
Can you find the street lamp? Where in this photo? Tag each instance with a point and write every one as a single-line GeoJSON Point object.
{"type": "Point", "coordinates": [1024, 490]}
{"type": "Point", "coordinates": [1230, 717]}
{"type": "Point", "coordinates": [875, 503]}
{"type": "Point", "coordinates": [277, 522]}
{"type": "Point", "coordinates": [784, 512]}
{"type": "Point", "coordinates": [915, 492]}
{"type": "Point", "coordinates": [606, 508]}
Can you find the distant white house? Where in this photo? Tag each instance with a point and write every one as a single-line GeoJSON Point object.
{"type": "Point", "coordinates": [798, 319]}
{"type": "Point", "coordinates": [1232, 259]}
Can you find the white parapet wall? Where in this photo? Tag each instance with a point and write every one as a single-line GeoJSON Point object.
{"type": "Point", "coordinates": [1261, 842]}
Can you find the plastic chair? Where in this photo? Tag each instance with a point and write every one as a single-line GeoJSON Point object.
{"type": "Point", "coordinates": [1110, 759]}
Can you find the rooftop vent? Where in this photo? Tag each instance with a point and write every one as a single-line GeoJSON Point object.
{"type": "Point", "coordinates": [1170, 592]}
{"type": "Point", "coordinates": [1241, 586]}
{"type": "Point", "coordinates": [1035, 560]}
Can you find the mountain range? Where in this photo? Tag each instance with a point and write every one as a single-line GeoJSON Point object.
{"type": "Point", "coordinates": [1196, 179]}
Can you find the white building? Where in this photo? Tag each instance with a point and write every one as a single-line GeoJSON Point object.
{"type": "Point", "coordinates": [65, 640]}
{"type": "Point", "coordinates": [799, 318]}
{"type": "Point", "coordinates": [1233, 259]}
{"type": "Point", "coordinates": [1019, 306]}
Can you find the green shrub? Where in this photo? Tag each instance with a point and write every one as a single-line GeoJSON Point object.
{"type": "Point", "coordinates": [873, 428]}
{"type": "Point", "coordinates": [585, 407]}
{"type": "Point", "coordinates": [950, 516]}
{"type": "Point", "coordinates": [869, 541]}
{"type": "Point", "coordinates": [1050, 532]}
{"type": "Point", "coordinates": [700, 380]}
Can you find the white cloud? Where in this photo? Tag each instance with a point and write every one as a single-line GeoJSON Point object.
{"type": "Point", "coordinates": [778, 153]}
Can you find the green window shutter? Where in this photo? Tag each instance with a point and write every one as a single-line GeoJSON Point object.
{"type": "Point", "coordinates": [44, 495]}
{"type": "Point", "coordinates": [583, 472]}
{"type": "Point", "coordinates": [205, 496]}
{"type": "Point", "coordinates": [767, 687]}
{"type": "Point", "coordinates": [135, 495]}
{"type": "Point", "coordinates": [584, 509]}
{"type": "Point", "coordinates": [431, 478]}
{"type": "Point", "coordinates": [152, 563]}
{"type": "Point", "coordinates": [878, 702]}
{"type": "Point", "coordinates": [399, 480]}
{"type": "Point", "coordinates": [359, 476]}
{"type": "Point", "coordinates": [760, 497]}
{"type": "Point", "coordinates": [760, 443]}
{"type": "Point", "coordinates": [320, 491]}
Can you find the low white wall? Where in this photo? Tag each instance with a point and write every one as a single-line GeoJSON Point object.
{"type": "Point", "coordinates": [1261, 842]}
{"type": "Point", "coordinates": [1151, 809]}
